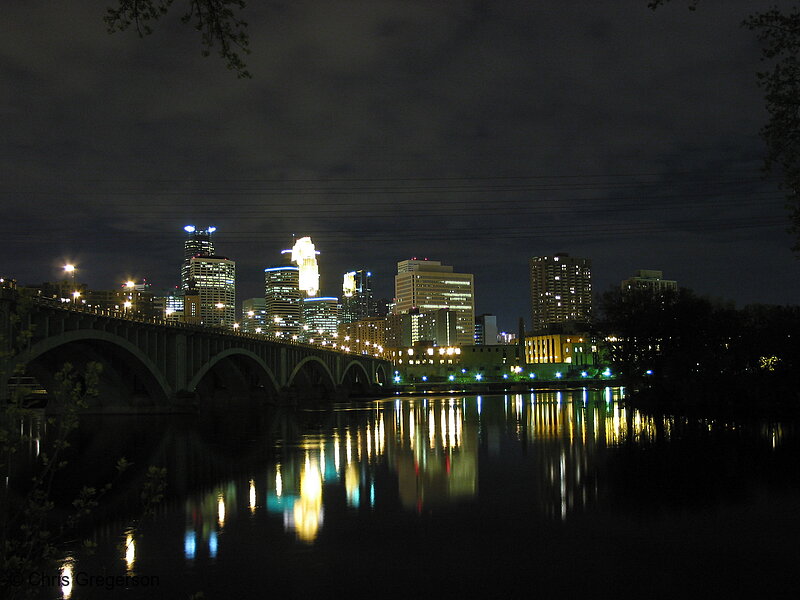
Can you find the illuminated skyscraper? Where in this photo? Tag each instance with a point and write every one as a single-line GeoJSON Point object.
{"type": "Point", "coordinates": [321, 317]}
{"type": "Point", "coordinates": [428, 285]}
{"type": "Point", "coordinates": [357, 300]}
{"type": "Point", "coordinates": [561, 291]}
{"type": "Point", "coordinates": [282, 301]}
{"type": "Point", "coordinates": [215, 280]}
{"type": "Point", "coordinates": [198, 242]}
{"type": "Point", "coordinates": [304, 255]}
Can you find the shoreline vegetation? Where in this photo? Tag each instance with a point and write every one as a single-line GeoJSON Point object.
{"type": "Point", "coordinates": [679, 352]}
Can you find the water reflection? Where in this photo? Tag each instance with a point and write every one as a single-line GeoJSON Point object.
{"type": "Point", "coordinates": [548, 455]}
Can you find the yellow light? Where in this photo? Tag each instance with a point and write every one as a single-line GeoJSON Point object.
{"type": "Point", "coordinates": [308, 508]}
{"type": "Point", "coordinates": [252, 496]}
{"type": "Point", "coordinates": [430, 351]}
{"type": "Point", "coordinates": [76, 295]}
{"type": "Point", "coordinates": [127, 304]}
{"type": "Point", "coordinates": [236, 326]}
{"type": "Point", "coordinates": [69, 268]}
{"type": "Point", "coordinates": [66, 579]}
{"type": "Point", "coordinates": [130, 284]}
{"type": "Point", "coordinates": [220, 510]}
{"type": "Point", "coordinates": [130, 551]}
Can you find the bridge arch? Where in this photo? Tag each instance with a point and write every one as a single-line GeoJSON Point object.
{"type": "Point", "coordinates": [355, 364]}
{"type": "Point", "coordinates": [381, 376]}
{"type": "Point", "coordinates": [249, 356]}
{"type": "Point", "coordinates": [317, 363]}
{"type": "Point", "coordinates": [108, 347]}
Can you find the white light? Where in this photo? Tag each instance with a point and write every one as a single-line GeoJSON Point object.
{"type": "Point", "coordinates": [189, 229]}
{"type": "Point", "coordinates": [211, 229]}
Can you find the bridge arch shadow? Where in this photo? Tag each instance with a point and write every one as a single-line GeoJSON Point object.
{"type": "Point", "coordinates": [381, 376]}
{"type": "Point", "coordinates": [311, 380]}
{"type": "Point", "coordinates": [356, 379]}
{"type": "Point", "coordinates": [129, 379]}
{"type": "Point", "coordinates": [234, 374]}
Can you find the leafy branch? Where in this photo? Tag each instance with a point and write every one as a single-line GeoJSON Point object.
{"type": "Point", "coordinates": [217, 21]}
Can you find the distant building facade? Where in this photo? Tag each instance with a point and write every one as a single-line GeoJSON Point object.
{"type": "Point", "coordinates": [282, 298]}
{"type": "Point", "coordinates": [254, 315]}
{"type": "Point", "coordinates": [214, 278]}
{"type": "Point", "coordinates": [367, 336]}
{"type": "Point", "coordinates": [357, 300]}
{"type": "Point", "coordinates": [649, 280]}
{"type": "Point", "coordinates": [485, 330]}
{"type": "Point", "coordinates": [561, 291]}
{"type": "Point", "coordinates": [320, 318]}
{"type": "Point", "coordinates": [428, 285]}
{"type": "Point", "coordinates": [198, 242]}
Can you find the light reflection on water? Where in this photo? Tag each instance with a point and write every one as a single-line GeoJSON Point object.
{"type": "Point", "coordinates": [433, 448]}
{"type": "Point", "coordinates": [549, 452]}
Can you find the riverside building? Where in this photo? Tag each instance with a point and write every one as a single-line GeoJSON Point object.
{"type": "Point", "coordinates": [428, 286]}
{"type": "Point", "coordinates": [561, 291]}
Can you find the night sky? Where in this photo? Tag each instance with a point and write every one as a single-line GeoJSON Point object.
{"type": "Point", "coordinates": [476, 133]}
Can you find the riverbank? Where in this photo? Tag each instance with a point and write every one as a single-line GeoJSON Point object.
{"type": "Point", "coordinates": [741, 397]}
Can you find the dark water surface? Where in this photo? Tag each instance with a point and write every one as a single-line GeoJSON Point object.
{"type": "Point", "coordinates": [549, 494]}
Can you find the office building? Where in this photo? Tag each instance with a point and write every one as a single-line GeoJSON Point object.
{"type": "Point", "coordinates": [320, 319]}
{"type": "Point", "coordinates": [650, 281]}
{"type": "Point", "coordinates": [357, 300]}
{"type": "Point", "coordinates": [254, 315]}
{"type": "Point", "coordinates": [214, 278]}
{"type": "Point", "coordinates": [282, 301]}
{"type": "Point", "coordinates": [198, 242]}
{"type": "Point", "coordinates": [304, 255]}
{"type": "Point", "coordinates": [485, 330]}
{"type": "Point", "coordinates": [561, 292]}
{"type": "Point", "coordinates": [428, 285]}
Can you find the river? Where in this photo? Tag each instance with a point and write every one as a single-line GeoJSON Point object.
{"type": "Point", "coordinates": [540, 494]}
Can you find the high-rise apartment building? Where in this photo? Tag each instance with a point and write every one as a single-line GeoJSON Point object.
{"type": "Point", "coordinates": [320, 318]}
{"type": "Point", "coordinates": [357, 300]}
{"type": "Point", "coordinates": [282, 300]}
{"type": "Point", "coordinates": [561, 291]}
{"type": "Point", "coordinates": [650, 281]}
{"type": "Point", "coordinates": [214, 277]}
{"type": "Point", "coordinates": [198, 242]}
{"type": "Point", "coordinates": [428, 285]}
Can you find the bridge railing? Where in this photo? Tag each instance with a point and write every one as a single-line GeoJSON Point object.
{"type": "Point", "coordinates": [139, 318]}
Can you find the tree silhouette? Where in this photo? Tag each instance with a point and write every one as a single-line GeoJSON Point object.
{"type": "Point", "coordinates": [779, 33]}
{"type": "Point", "coordinates": [217, 21]}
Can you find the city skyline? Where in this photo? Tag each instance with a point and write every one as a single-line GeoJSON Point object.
{"type": "Point", "coordinates": [476, 134]}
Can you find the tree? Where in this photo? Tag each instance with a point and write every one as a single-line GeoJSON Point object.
{"type": "Point", "coordinates": [217, 21]}
{"type": "Point", "coordinates": [779, 33]}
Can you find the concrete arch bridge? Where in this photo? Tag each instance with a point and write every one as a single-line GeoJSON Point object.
{"type": "Point", "coordinates": [151, 365]}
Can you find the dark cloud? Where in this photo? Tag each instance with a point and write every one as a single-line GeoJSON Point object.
{"type": "Point", "coordinates": [478, 133]}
